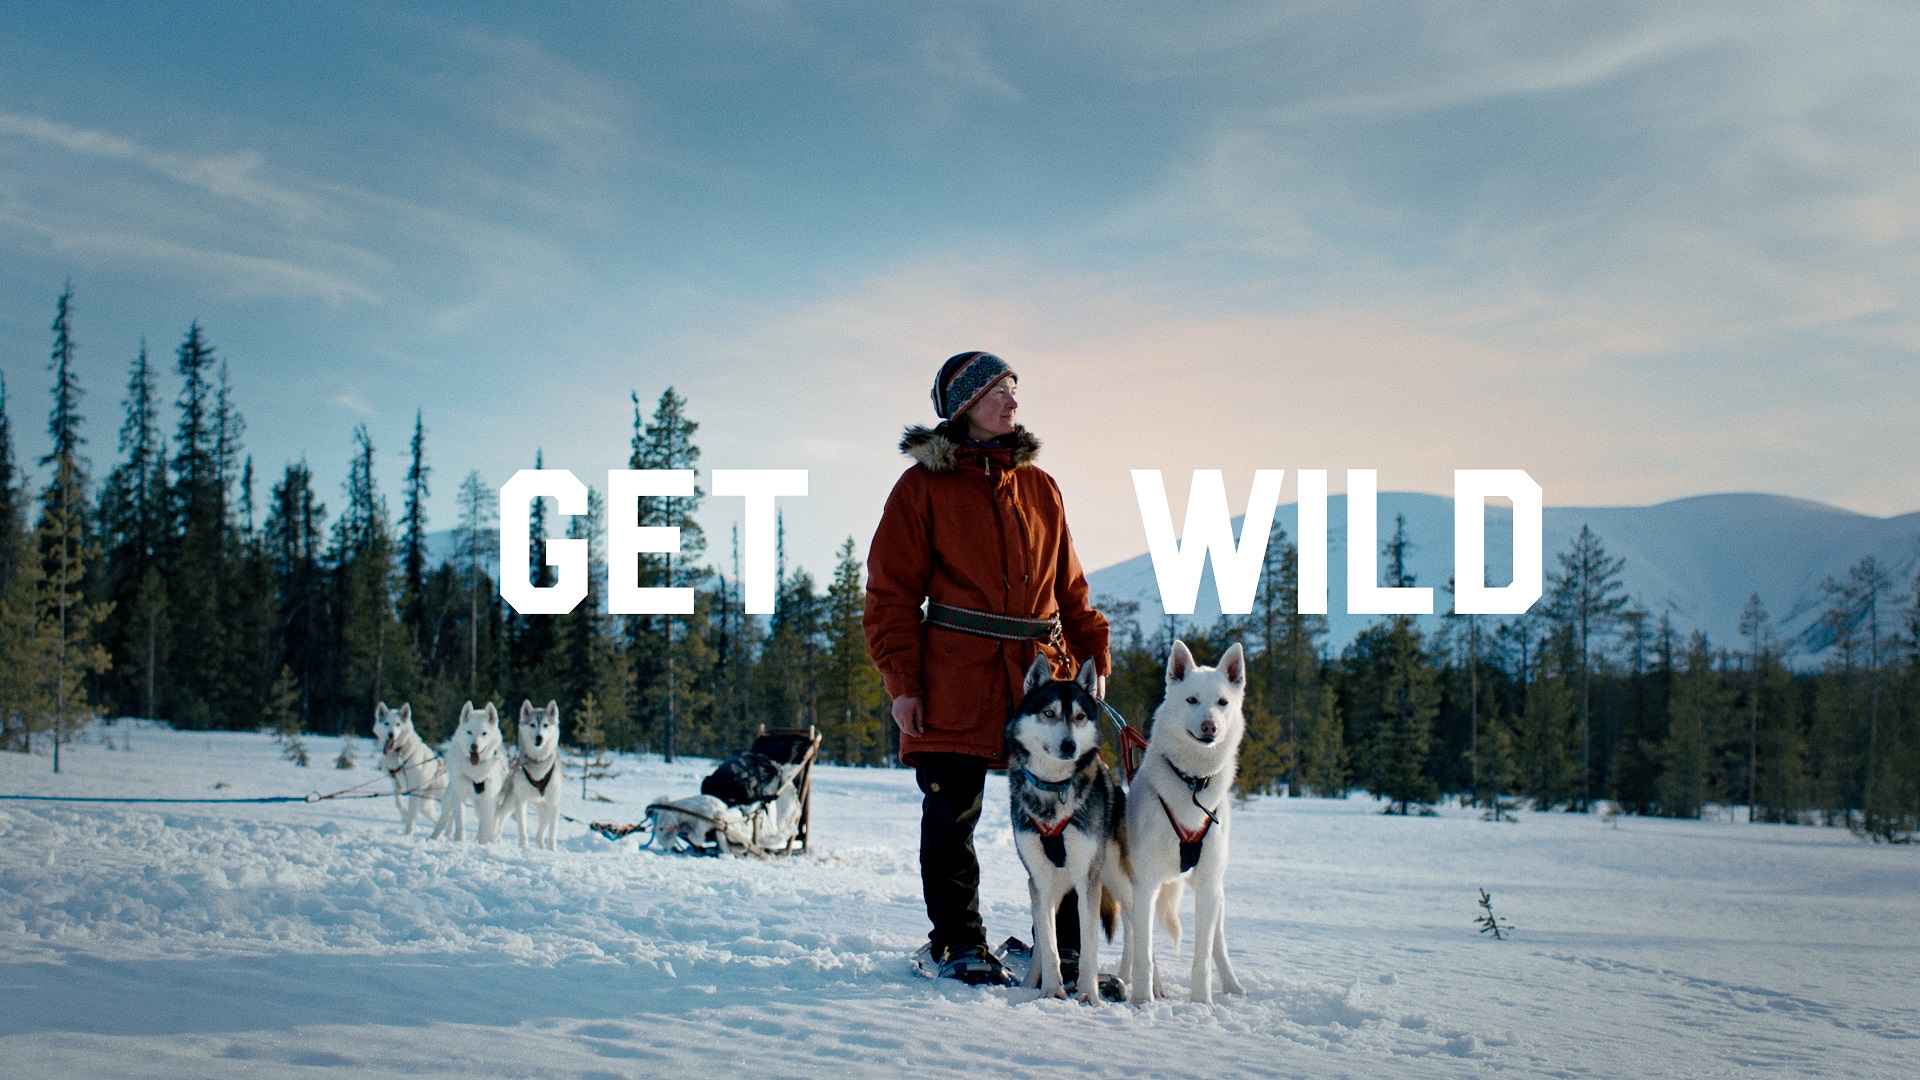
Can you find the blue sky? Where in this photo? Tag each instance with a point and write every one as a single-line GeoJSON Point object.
{"type": "Point", "coordinates": [1640, 250]}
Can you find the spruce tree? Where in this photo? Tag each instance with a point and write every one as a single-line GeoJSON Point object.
{"type": "Point", "coordinates": [295, 556]}
{"type": "Point", "coordinates": [1697, 708]}
{"type": "Point", "coordinates": [665, 441]}
{"type": "Point", "coordinates": [413, 530]}
{"type": "Point", "coordinates": [476, 547]}
{"type": "Point", "coordinates": [63, 542]}
{"type": "Point", "coordinates": [134, 529]}
{"type": "Point", "coordinates": [11, 527]}
{"type": "Point", "coordinates": [1588, 599]}
{"type": "Point", "coordinates": [1285, 684]}
{"type": "Point", "coordinates": [193, 565]}
{"type": "Point", "coordinates": [376, 658]}
{"type": "Point", "coordinates": [851, 692]}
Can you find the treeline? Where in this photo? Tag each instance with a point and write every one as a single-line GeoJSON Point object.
{"type": "Point", "coordinates": [1586, 698]}
{"type": "Point", "coordinates": [170, 589]}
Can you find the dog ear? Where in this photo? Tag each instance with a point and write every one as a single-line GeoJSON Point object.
{"type": "Point", "coordinates": [553, 709]}
{"type": "Point", "coordinates": [1234, 664]}
{"type": "Point", "coordinates": [1180, 663]}
{"type": "Point", "coordinates": [379, 711]}
{"type": "Point", "coordinates": [1089, 677]}
{"type": "Point", "coordinates": [493, 714]}
{"type": "Point", "coordinates": [526, 709]}
{"type": "Point", "coordinates": [406, 712]}
{"type": "Point", "coordinates": [466, 712]}
{"type": "Point", "coordinates": [1038, 672]}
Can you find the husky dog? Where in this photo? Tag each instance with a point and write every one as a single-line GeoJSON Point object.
{"type": "Point", "coordinates": [1177, 819]}
{"type": "Point", "coordinates": [1069, 818]}
{"type": "Point", "coordinates": [478, 764]}
{"type": "Point", "coordinates": [419, 776]}
{"type": "Point", "coordinates": [534, 775]}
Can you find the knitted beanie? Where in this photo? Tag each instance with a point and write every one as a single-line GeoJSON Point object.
{"type": "Point", "coordinates": [963, 379]}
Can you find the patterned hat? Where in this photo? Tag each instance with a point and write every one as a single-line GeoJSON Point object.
{"type": "Point", "coordinates": [963, 379]}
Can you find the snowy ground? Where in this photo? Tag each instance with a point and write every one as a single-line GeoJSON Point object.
{"type": "Point", "coordinates": [288, 939]}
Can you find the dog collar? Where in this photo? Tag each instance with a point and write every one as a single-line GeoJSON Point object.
{"type": "Point", "coordinates": [1055, 786]}
{"type": "Point", "coordinates": [1195, 784]}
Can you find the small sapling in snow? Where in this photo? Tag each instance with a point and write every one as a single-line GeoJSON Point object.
{"type": "Point", "coordinates": [1488, 921]}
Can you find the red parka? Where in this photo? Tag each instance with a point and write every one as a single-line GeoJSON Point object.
{"type": "Point", "coordinates": [981, 529]}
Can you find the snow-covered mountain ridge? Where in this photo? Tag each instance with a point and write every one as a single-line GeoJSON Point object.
{"type": "Point", "coordinates": [1697, 559]}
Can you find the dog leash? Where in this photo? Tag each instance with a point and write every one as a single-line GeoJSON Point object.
{"type": "Point", "coordinates": [1133, 745]}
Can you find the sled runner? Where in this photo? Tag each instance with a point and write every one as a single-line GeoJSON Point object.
{"type": "Point", "coordinates": [759, 802]}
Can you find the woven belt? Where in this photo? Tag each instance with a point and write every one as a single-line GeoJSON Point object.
{"type": "Point", "coordinates": [987, 624]}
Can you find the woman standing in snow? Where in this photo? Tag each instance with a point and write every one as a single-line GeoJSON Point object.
{"type": "Point", "coordinates": [979, 535]}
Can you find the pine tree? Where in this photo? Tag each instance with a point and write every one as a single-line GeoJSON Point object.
{"type": "Point", "coordinates": [376, 657]}
{"type": "Point", "coordinates": [12, 530]}
{"type": "Point", "coordinates": [1285, 684]}
{"type": "Point", "coordinates": [790, 665]}
{"type": "Point", "coordinates": [193, 565]}
{"type": "Point", "coordinates": [478, 543]}
{"type": "Point", "coordinates": [1393, 696]}
{"type": "Point", "coordinates": [1697, 709]}
{"type": "Point", "coordinates": [852, 694]}
{"type": "Point", "coordinates": [666, 442]}
{"type": "Point", "coordinates": [589, 760]}
{"type": "Point", "coordinates": [1544, 749]}
{"type": "Point", "coordinates": [65, 550]}
{"type": "Point", "coordinates": [413, 530]}
{"type": "Point", "coordinates": [135, 530]}
{"type": "Point", "coordinates": [294, 551]}
{"type": "Point", "coordinates": [1588, 599]}
{"type": "Point", "coordinates": [1323, 755]}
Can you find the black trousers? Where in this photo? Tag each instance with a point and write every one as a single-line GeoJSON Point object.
{"type": "Point", "coordinates": [949, 867]}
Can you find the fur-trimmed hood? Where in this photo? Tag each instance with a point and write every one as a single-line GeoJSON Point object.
{"type": "Point", "coordinates": [940, 450]}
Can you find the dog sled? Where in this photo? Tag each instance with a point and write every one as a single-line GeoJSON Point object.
{"type": "Point", "coordinates": [757, 802]}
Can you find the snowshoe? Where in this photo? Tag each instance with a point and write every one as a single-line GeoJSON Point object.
{"type": "Point", "coordinates": [969, 964]}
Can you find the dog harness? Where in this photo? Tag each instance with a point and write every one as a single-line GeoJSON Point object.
{"type": "Point", "coordinates": [539, 785]}
{"type": "Point", "coordinates": [1190, 842]}
{"type": "Point", "coordinates": [1052, 840]}
{"type": "Point", "coordinates": [405, 768]}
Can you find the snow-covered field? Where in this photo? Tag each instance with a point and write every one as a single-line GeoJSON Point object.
{"type": "Point", "coordinates": [195, 940]}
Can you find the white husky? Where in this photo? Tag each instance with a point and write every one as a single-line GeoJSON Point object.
{"type": "Point", "coordinates": [419, 776]}
{"type": "Point", "coordinates": [477, 762]}
{"type": "Point", "coordinates": [534, 778]}
{"type": "Point", "coordinates": [1177, 812]}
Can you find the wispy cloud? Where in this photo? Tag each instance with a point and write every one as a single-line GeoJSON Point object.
{"type": "Point", "coordinates": [230, 176]}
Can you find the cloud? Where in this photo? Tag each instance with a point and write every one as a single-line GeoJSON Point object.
{"type": "Point", "coordinates": [230, 176]}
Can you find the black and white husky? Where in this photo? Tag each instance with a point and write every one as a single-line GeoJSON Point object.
{"type": "Point", "coordinates": [1069, 821]}
{"type": "Point", "coordinates": [534, 777]}
{"type": "Point", "coordinates": [419, 776]}
{"type": "Point", "coordinates": [1177, 813]}
{"type": "Point", "coordinates": [477, 767]}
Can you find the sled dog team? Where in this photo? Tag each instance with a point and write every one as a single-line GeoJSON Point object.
{"type": "Point", "coordinates": [1077, 830]}
{"type": "Point", "coordinates": [476, 770]}
{"type": "Point", "coordinates": [1125, 851]}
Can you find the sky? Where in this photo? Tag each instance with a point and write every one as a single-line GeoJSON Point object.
{"type": "Point", "coordinates": [1643, 251]}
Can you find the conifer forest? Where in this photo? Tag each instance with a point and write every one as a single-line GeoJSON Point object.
{"type": "Point", "coordinates": [180, 584]}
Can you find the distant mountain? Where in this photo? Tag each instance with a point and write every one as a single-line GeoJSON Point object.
{"type": "Point", "coordinates": [1698, 558]}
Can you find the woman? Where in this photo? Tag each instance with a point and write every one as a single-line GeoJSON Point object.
{"type": "Point", "coordinates": [979, 536]}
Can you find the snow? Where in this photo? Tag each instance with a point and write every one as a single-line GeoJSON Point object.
{"type": "Point", "coordinates": [218, 939]}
